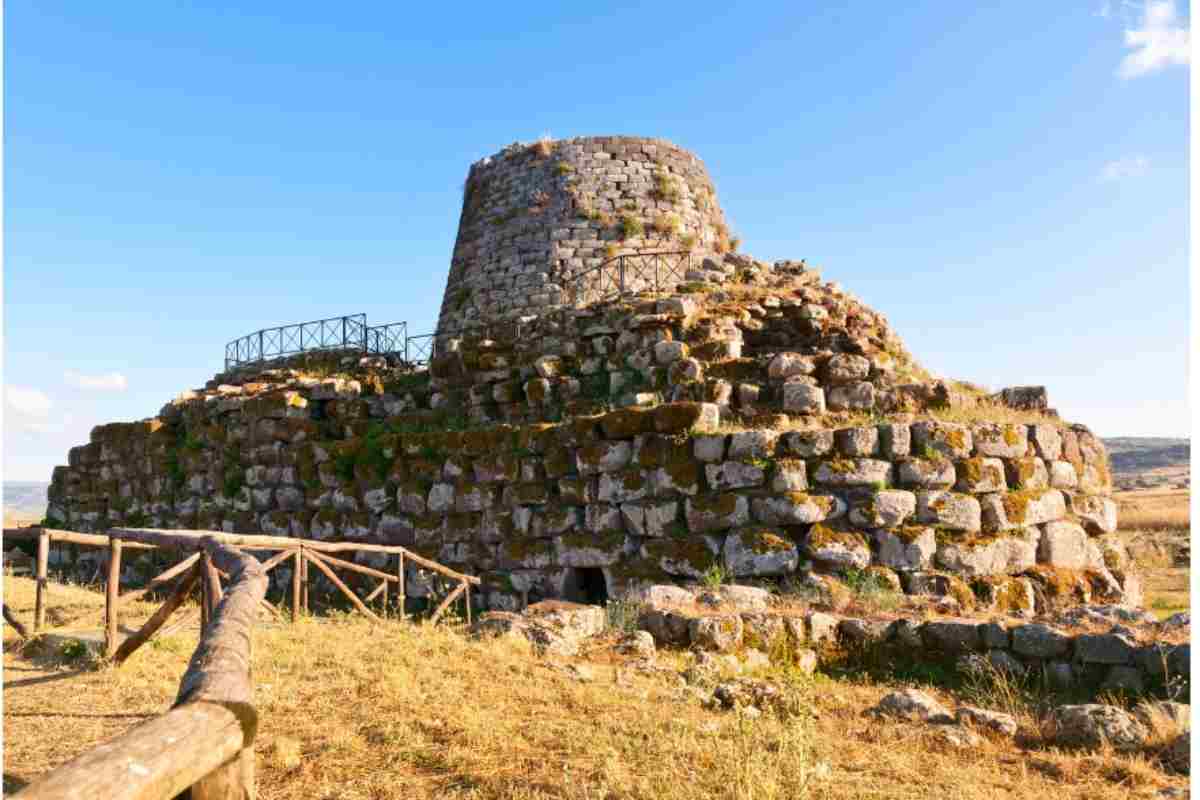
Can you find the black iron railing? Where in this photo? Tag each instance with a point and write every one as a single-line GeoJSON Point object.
{"type": "Point", "coordinates": [632, 273]}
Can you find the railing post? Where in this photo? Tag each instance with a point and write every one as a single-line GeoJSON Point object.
{"type": "Point", "coordinates": [206, 604]}
{"type": "Point", "coordinates": [343, 333]}
{"type": "Point", "coordinates": [296, 567]}
{"type": "Point", "coordinates": [621, 274]}
{"type": "Point", "coordinates": [402, 597]}
{"type": "Point", "coordinates": [112, 596]}
{"type": "Point", "coordinates": [43, 560]}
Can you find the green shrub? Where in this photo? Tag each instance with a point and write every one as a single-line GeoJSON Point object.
{"type": "Point", "coordinates": [73, 650]}
{"type": "Point", "coordinates": [622, 615]}
{"type": "Point", "coordinates": [665, 188]}
{"type": "Point", "coordinates": [631, 226]}
{"type": "Point", "coordinates": [714, 576]}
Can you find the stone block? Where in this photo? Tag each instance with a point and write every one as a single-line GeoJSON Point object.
{"type": "Point", "coordinates": [857, 442]}
{"type": "Point", "coordinates": [802, 398]}
{"type": "Point", "coordinates": [950, 439]}
{"type": "Point", "coordinates": [854, 472]}
{"type": "Point", "coordinates": [926, 473]}
{"type": "Point", "coordinates": [1000, 439]}
{"type": "Point", "coordinates": [733, 475]}
{"type": "Point", "coordinates": [807, 444]}
{"type": "Point", "coordinates": [1037, 640]}
{"type": "Point", "coordinates": [796, 508]}
{"type": "Point", "coordinates": [905, 549]}
{"type": "Point", "coordinates": [787, 365]}
{"type": "Point", "coordinates": [857, 396]}
{"type": "Point", "coordinates": [979, 475]}
{"type": "Point", "coordinates": [949, 510]}
{"type": "Point", "coordinates": [709, 513]}
{"type": "Point", "coordinates": [759, 551]}
{"type": "Point", "coordinates": [888, 508]}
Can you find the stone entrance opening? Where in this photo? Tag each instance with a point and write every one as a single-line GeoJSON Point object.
{"type": "Point", "coordinates": [586, 585]}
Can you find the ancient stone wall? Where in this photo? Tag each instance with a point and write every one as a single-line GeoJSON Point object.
{"type": "Point", "coordinates": [1005, 515]}
{"type": "Point", "coordinates": [535, 216]}
{"type": "Point", "coordinates": [1077, 648]}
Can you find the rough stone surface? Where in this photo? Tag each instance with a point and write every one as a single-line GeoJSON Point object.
{"type": "Point", "coordinates": [913, 705]}
{"type": "Point", "coordinates": [997, 721]}
{"type": "Point", "coordinates": [1093, 725]}
{"type": "Point", "coordinates": [759, 551]}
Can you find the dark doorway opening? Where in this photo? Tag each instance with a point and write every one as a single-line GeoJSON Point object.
{"type": "Point", "coordinates": [586, 585]}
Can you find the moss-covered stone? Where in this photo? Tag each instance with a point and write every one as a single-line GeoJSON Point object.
{"type": "Point", "coordinates": [685, 417]}
{"type": "Point", "coordinates": [625, 423]}
{"type": "Point", "coordinates": [688, 557]}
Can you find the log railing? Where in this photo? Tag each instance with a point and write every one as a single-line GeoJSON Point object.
{"type": "Point", "coordinates": [204, 744]}
{"type": "Point", "coordinates": [302, 554]}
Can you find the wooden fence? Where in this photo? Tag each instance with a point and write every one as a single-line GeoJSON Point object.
{"type": "Point", "coordinates": [302, 554]}
{"type": "Point", "coordinates": [204, 744]}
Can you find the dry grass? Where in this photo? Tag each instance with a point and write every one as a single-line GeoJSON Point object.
{"type": "Point", "coordinates": [1156, 526]}
{"type": "Point", "coordinates": [990, 412]}
{"type": "Point", "coordinates": [350, 710]}
{"type": "Point", "coordinates": [1155, 510]}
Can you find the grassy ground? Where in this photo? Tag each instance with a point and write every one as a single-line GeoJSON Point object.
{"type": "Point", "coordinates": [1157, 526]}
{"type": "Point", "coordinates": [351, 710]}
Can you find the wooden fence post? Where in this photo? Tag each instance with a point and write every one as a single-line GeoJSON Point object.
{"type": "Point", "coordinates": [402, 595]}
{"type": "Point", "coordinates": [206, 604]}
{"type": "Point", "coordinates": [111, 596]}
{"type": "Point", "coordinates": [43, 561]}
{"type": "Point", "coordinates": [303, 582]}
{"type": "Point", "coordinates": [297, 566]}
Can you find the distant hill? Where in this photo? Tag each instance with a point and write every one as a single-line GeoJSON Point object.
{"type": "Point", "coordinates": [1149, 461]}
{"type": "Point", "coordinates": [24, 502]}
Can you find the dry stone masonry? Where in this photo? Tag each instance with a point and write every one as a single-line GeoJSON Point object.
{"type": "Point", "coordinates": [754, 418]}
{"type": "Point", "coordinates": [536, 216]}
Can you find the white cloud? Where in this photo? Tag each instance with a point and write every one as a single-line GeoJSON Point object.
{"type": "Point", "coordinates": [1122, 168]}
{"type": "Point", "coordinates": [29, 411]}
{"type": "Point", "coordinates": [1105, 10]}
{"type": "Point", "coordinates": [112, 382]}
{"type": "Point", "coordinates": [1158, 42]}
{"type": "Point", "coordinates": [27, 401]}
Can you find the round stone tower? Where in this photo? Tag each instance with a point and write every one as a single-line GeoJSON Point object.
{"type": "Point", "coordinates": [536, 218]}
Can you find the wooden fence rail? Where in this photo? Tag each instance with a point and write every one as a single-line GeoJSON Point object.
{"type": "Point", "coordinates": [301, 552]}
{"type": "Point", "coordinates": [205, 743]}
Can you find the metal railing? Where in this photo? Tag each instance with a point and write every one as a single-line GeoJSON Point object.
{"type": "Point", "coordinates": [631, 273]}
{"type": "Point", "coordinates": [350, 332]}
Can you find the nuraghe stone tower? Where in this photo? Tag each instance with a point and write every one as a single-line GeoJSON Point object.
{"type": "Point", "coordinates": [536, 216]}
{"type": "Point", "coordinates": [749, 417]}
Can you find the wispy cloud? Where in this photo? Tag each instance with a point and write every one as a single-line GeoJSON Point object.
{"type": "Point", "coordinates": [112, 382]}
{"type": "Point", "coordinates": [27, 401]}
{"type": "Point", "coordinates": [1157, 41]}
{"type": "Point", "coordinates": [1122, 168]}
{"type": "Point", "coordinates": [29, 410]}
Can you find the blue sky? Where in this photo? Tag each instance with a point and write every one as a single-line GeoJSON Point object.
{"type": "Point", "coordinates": [1008, 185]}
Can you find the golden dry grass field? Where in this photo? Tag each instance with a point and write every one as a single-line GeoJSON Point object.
{"type": "Point", "coordinates": [1156, 524]}
{"type": "Point", "coordinates": [354, 710]}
